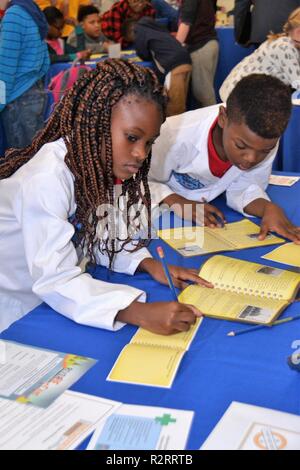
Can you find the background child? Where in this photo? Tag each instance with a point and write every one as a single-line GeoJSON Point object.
{"type": "Point", "coordinates": [203, 153]}
{"type": "Point", "coordinates": [24, 62]}
{"type": "Point", "coordinates": [153, 41]}
{"type": "Point", "coordinates": [69, 9]}
{"type": "Point", "coordinates": [278, 56]}
{"type": "Point", "coordinates": [58, 51]}
{"type": "Point", "coordinates": [88, 35]}
{"type": "Point", "coordinates": [55, 196]}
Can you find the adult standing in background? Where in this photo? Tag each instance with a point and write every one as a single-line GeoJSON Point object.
{"type": "Point", "coordinates": [255, 19]}
{"type": "Point", "coordinates": [24, 61]}
{"type": "Point", "coordinates": [197, 30]}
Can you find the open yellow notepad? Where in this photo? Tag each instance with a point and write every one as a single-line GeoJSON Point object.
{"type": "Point", "coordinates": [243, 291]}
{"type": "Point", "coordinates": [195, 241]}
{"type": "Point", "coordinates": [151, 359]}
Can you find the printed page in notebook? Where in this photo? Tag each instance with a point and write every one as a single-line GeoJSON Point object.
{"type": "Point", "coordinates": [243, 291]}
{"type": "Point", "coordinates": [226, 305]}
{"type": "Point", "coordinates": [151, 359]}
{"type": "Point", "coordinates": [244, 234]}
{"type": "Point", "coordinates": [250, 278]}
{"type": "Point", "coordinates": [195, 241]}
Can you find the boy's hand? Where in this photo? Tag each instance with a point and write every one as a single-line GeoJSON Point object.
{"type": "Point", "coordinates": [199, 212]}
{"type": "Point", "coordinates": [163, 318]}
{"type": "Point", "coordinates": [213, 217]}
{"type": "Point", "coordinates": [275, 220]}
{"type": "Point", "coordinates": [179, 275]}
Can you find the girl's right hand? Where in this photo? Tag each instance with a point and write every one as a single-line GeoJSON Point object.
{"type": "Point", "coordinates": [164, 318]}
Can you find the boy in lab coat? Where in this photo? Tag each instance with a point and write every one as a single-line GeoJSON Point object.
{"type": "Point", "coordinates": [203, 153]}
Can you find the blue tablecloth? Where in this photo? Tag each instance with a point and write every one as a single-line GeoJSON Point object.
{"type": "Point", "coordinates": [215, 371]}
{"type": "Point", "coordinates": [56, 68]}
{"type": "Point", "coordinates": [230, 54]}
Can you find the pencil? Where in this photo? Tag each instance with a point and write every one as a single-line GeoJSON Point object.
{"type": "Point", "coordinates": [259, 327]}
{"type": "Point", "coordinates": [161, 255]}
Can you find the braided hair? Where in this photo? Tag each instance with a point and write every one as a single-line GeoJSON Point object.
{"type": "Point", "coordinates": [83, 119]}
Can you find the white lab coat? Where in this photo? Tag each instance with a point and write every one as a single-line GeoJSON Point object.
{"type": "Point", "coordinates": [183, 147]}
{"type": "Point", "coordinates": [38, 259]}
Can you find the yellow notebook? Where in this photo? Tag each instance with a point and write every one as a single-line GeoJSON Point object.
{"type": "Point", "coordinates": [244, 291]}
{"type": "Point", "coordinates": [151, 359]}
{"type": "Point", "coordinates": [195, 241]}
{"type": "Point", "coordinates": [289, 253]}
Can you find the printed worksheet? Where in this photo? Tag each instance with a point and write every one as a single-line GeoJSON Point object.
{"type": "Point", "coordinates": [248, 427]}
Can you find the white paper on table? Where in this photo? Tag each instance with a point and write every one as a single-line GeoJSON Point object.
{"type": "Point", "coordinates": [247, 427]}
{"type": "Point", "coordinates": [283, 180]}
{"type": "Point", "coordinates": [61, 426]}
{"type": "Point", "coordinates": [114, 51]}
{"type": "Point", "coordinates": [134, 427]}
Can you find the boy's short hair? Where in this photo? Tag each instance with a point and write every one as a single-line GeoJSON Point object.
{"type": "Point", "coordinates": [263, 103]}
{"type": "Point", "coordinates": [86, 10]}
{"type": "Point", "coordinates": [52, 14]}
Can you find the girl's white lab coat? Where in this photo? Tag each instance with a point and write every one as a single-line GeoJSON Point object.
{"type": "Point", "coordinates": [38, 259]}
{"type": "Point", "coordinates": [182, 147]}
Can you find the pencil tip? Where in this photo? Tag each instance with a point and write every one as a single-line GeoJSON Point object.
{"type": "Point", "coordinates": [232, 333]}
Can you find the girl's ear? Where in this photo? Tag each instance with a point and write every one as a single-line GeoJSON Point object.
{"type": "Point", "coordinates": [222, 117]}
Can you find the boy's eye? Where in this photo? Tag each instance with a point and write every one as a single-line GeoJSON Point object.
{"type": "Point", "coordinates": [240, 147]}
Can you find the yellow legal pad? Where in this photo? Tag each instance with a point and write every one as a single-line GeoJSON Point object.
{"type": "Point", "coordinates": [195, 241]}
{"type": "Point", "coordinates": [151, 359]}
{"type": "Point", "coordinates": [243, 291]}
{"type": "Point", "coordinates": [289, 253]}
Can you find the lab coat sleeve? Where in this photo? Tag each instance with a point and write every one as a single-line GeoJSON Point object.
{"type": "Point", "coordinates": [250, 185]}
{"type": "Point", "coordinates": [53, 262]}
{"type": "Point", "coordinates": [165, 156]}
{"type": "Point", "coordinates": [125, 262]}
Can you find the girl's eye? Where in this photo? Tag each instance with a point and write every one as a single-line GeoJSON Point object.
{"type": "Point", "coordinates": [132, 138]}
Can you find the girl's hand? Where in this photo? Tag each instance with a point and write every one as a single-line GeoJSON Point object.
{"type": "Point", "coordinates": [163, 318]}
{"type": "Point", "coordinates": [179, 275]}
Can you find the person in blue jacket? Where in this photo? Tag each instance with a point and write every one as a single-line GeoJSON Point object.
{"type": "Point", "coordinates": [24, 61]}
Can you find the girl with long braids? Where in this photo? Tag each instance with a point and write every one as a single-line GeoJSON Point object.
{"type": "Point", "coordinates": [52, 197]}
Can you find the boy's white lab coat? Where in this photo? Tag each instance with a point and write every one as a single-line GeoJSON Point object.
{"type": "Point", "coordinates": [38, 259]}
{"type": "Point", "coordinates": [182, 147]}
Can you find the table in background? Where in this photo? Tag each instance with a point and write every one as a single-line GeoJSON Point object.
{"type": "Point", "coordinates": [215, 371]}
{"type": "Point", "coordinates": [129, 55]}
